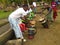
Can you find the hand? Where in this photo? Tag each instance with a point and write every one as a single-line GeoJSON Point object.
{"type": "Point", "coordinates": [23, 18]}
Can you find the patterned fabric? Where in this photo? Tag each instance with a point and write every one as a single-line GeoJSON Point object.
{"type": "Point", "coordinates": [54, 15]}
{"type": "Point", "coordinates": [54, 8]}
{"type": "Point", "coordinates": [49, 16]}
{"type": "Point", "coordinates": [34, 10]}
{"type": "Point", "coordinates": [53, 4]}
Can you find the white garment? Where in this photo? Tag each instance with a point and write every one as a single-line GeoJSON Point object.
{"type": "Point", "coordinates": [18, 13]}
{"type": "Point", "coordinates": [15, 26]}
{"type": "Point", "coordinates": [28, 11]}
{"type": "Point", "coordinates": [34, 4]}
{"type": "Point", "coordinates": [14, 21]}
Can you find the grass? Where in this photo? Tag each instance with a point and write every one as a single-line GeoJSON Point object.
{"type": "Point", "coordinates": [3, 14]}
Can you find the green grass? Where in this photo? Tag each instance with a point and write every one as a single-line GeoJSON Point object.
{"type": "Point", "coordinates": [4, 14]}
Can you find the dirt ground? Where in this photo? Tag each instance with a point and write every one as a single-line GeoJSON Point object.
{"type": "Point", "coordinates": [49, 36]}
{"type": "Point", "coordinates": [4, 28]}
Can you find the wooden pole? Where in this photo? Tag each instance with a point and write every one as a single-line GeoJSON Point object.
{"type": "Point", "coordinates": [28, 3]}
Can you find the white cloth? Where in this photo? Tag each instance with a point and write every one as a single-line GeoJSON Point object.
{"type": "Point", "coordinates": [28, 11]}
{"type": "Point", "coordinates": [15, 26]}
{"type": "Point", "coordinates": [14, 21]}
{"type": "Point", "coordinates": [18, 13]}
{"type": "Point", "coordinates": [34, 4]}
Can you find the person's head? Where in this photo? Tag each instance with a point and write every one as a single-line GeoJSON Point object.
{"type": "Point", "coordinates": [46, 5]}
{"type": "Point", "coordinates": [53, 0]}
{"type": "Point", "coordinates": [25, 7]}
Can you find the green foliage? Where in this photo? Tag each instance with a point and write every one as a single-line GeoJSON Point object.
{"type": "Point", "coordinates": [8, 2]}
{"type": "Point", "coordinates": [4, 14]}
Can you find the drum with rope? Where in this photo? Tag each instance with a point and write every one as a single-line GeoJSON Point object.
{"type": "Point", "coordinates": [44, 22]}
{"type": "Point", "coordinates": [32, 30]}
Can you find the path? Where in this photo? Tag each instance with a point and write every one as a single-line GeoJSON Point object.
{"type": "Point", "coordinates": [3, 22]}
{"type": "Point", "coordinates": [49, 36]}
{"type": "Point", "coordinates": [4, 28]}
